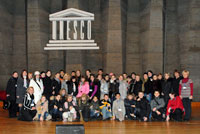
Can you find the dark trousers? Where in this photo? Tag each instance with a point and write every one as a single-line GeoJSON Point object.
{"type": "Point", "coordinates": [140, 114]}
{"type": "Point", "coordinates": [130, 110]}
{"type": "Point", "coordinates": [176, 115]}
{"type": "Point", "coordinates": [56, 114]}
{"type": "Point", "coordinates": [27, 115]}
{"type": "Point", "coordinates": [13, 109]}
{"type": "Point", "coordinates": [188, 109]}
{"type": "Point", "coordinates": [158, 117]}
{"type": "Point", "coordinates": [86, 113]}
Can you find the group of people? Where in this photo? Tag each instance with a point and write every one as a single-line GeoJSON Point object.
{"type": "Point", "coordinates": [74, 97]}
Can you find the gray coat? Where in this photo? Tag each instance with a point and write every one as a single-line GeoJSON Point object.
{"type": "Point", "coordinates": [21, 90]}
{"type": "Point", "coordinates": [119, 109]}
{"type": "Point", "coordinates": [157, 103]}
{"type": "Point", "coordinates": [123, 89]}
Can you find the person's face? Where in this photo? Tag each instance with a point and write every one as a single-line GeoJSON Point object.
{"type": "Point", "coordinates": [160, 77]}
{"type": "Point", "coordinates": [130, 97]}
{"type": "Point", "coordinates": [137, 78]}
{"type": "Point", "coordinates": [43, 99]}
{"type": "Point", "coordinates": [73, 74]}
{"type": "Point", "coordinates": [48, 73]}
{"type": "Point", "coordinates": [155, 77]}
{"type": "Point", "coordinates": [92, 78]}
{"type": "Point", "coordinates": [63, 92]}
{"type": "Point", "coordinates": [117, 96]}
{"type": "Point", "coordinates": [100, 72]}
{"type": "Point", "coordinates": [145, 76]}
{"type": "Point", "coordinates": [120, 78]}
{"type": "Point", "coordinates": [37, 76]}
{"type": "Point", "coordinates": [106, 77]}
{"type": "Point", "coordinates": [31, 91]}
{"type": "Point", "coordinates": [95, 99]}
{"type": "Point", "coordinates": [30, 76]}
{"type": "Point", "coordinates": [83, 98]}
{"type": "Point", "coordinates": [69, 99]}
{"type": "Point", "coordinates": [106, 97]}
{"type": "Point", "coordinates": [133, 76]}
{"type": "Point", "coordinates": [82, 79]}
{"type": "Point", "coordinates": [185, 75]}
{"type": "Point", "coordinates": [156, 94]}
{"type": "Point", "coordinates": [87, 73]}
{"type": "Point", "coordinates": [24, 73]}
{"type": "Point", "coordinates": [125, 76]}
{"type": "Point", "coordinates": [62, 73]}
{"type": "Point", "coordinates": [15, 75]}
{"type": "Point", "coordinates": [78, 73]}
{"type": "Point", "coordinates": [73, 80]}
{"type": "Point", "coordinates": [113, 77]}
{"type": "Point", "coordinates": [149, 74]}
{"type": "Point", "coordinates": [43, 75]}
{"type": "Point", "coordinates": [166, 76]}
{"type": "Point", "coordinates": [171, 96]}
{"type": "Point", "coordinates": [99, 77]}
{"type": "Point", "coordinates": [176, 74]}
{"type": "Point", "coordinates": [57, 75]}
{"type": "Point", "coordinates": [58, 97]}
{"type": "Point", "coordinates": [141, 95]}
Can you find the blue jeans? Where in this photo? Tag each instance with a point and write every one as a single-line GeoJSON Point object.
{"type": "Point", "coordinates": [93, 114]}
{"type": "Point", "coordinates": [45, 115]}
{"type": "Point", "coordinates": [148, 97]}
{"type": "Point", "coordinates": [106, 113]}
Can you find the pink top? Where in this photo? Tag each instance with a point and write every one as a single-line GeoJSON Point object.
{"type": "Point", "coordinates": [83, 89]}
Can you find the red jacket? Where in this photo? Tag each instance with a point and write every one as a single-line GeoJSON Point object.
{"type": "Point", "coordinates": [174, 104]}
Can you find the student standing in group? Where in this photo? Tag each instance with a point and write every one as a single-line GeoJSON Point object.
{"type": "Point", "coordinates": [147, 85]}
{"type": "Point", "coordinates": [186, 93]}
{"type": "Point", "coordinates": [56, 84]}
{"type": "Point", "coordinates": [37, 84]}
{"type": "Point", "coordinates": [175, 82]}
{"type": "Point", "coordinates": [137, 85]}
{"type": "Point", "coordinates": [122, 87]}
{"type": "Point", "coordinates": [166, 87]}
{"type": "Point", "coordinates": [66, 82]}
{"type": "Point", "coordinates": [73, 88]}
{"type": "Point", "coordinates": [28, 109]}
{"type": "Point", "coordinates": [62, 73]}
{"type": "Point", "coordinates": [11, 94]}
{"type": "Point", "coordinates": [113, 88]}
{"type": "Point", "coordinates": [104, 86]}
{"type": "Point", "coordinates": [87, 74]}
{"type": "Point", "coordinates": [48, 85]}
{"type": "Point", "coordinates": [93, 87]}
{"type": "Point", "coordinates": [118, 108]}
{"type": "Point", "coordinates": [83, 87]}
{"type": "Point", "coordinates": [22, 85]}
{"type": "Point", "coordinates": [78, 76]}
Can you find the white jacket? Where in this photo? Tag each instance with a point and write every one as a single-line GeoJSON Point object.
{"type": "Point", "coordinates": [38, 90]}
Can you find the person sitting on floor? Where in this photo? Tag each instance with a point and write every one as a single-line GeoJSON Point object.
{"type": "Point", "coordinates": [42, 110]}
{"type": "Point", "coordinates": [69, 109]}
{"type": "Point", "coordinates": [130, 103]}
{"type": "Point", "coordinates": [94, 108]}
{"type": "Point", "coordinates": [118, 108]}
{"type": "Point", "coordinates": [56, 108]}
{"type": "Point", "coordinates": [175, 108]}
{"type": "Point", "coordinates": [143, 108]}
{"type": "Point", "coordinates": [158, 107]}
{"type": "Point", "coordinates": [84, 107]}
{"type": "Point", "coordinates": [28, 108]}
{"type": "Point", "coordinates": [105, 107]}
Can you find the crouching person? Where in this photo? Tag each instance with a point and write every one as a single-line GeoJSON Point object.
{"type": "Point", "coordinates": [158, 107]}
{"type": "Point", "coordinates": [84, 108]}
{"type": "Point", "coordinates": [28, 108]}
{"type": "Point", "coordinates": [143, 108]}
{"type": "Point", "coordinates": [55, 108]}
{"type": "Point", "coordinates": [94, 108]}
{"type": "Point", "coordinates": [130, 103]}
{"type": "Point", "coordinates": [105, 107]}
{"type": "Point", "coordinates": [118, 108]}
{"type": "Point", "coordinates": [69, 109]}
{"type": "Point", "coordinates": [174, 108]}
{"type": "Point", "coordinates": [42, 110]}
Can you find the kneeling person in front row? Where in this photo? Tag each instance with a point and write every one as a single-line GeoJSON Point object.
{"type": "Point", "coordinates": [158, 107]}
{"type": "Point", "coordinates": [143, 108]}
{"type": "Point", "coordinates": [28, 108]}
{"type": "Point", "coordinates": [118, 108]}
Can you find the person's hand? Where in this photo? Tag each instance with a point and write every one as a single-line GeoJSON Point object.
{"type": "Point", "coordinates": [167, 119]}
{"type": "Point", "coordinates": [180, 96]}
{"type": "Point", "coordinates": [158, 113]}
{"type": "Point", "coordinates": [53, 92]}
{"type": "Point", "coordinates": [70, 108]}
{"type": "Point", "coordinates": [55, 107]}
{"type": "Point", "coordinates": [191, 97]}
{"type": "Point", "coordinates": [96, 111]}
{"type": "Point", "coordinates": [60, 109]}
{"type": "Point", "coordinates": [113, 117]}
{"type": "Point", "coordinates": [20, 105]}
{"type": "Point", "coordinates": [138, 99]}
{"type": "Point", "coordinates": [33, 108]}
{"type": "Point", "coordinates": [90, 97]}
{"type": "Point", "coordinates": [132, 105]}
{"type": "Point", "coordinates": [154, 109]}
{"type": "Point", "coordinates": [41, 118]}
{"type": "Point", "coordinates": [169, 110]}
{"type": "Point", "coordinates": [7, 95]}
{"type": "Point", "coordinates": [145, 118]}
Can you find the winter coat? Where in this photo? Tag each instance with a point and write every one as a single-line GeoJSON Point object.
{"type": "Point", "coordinates": [11, 88]}
{"type": "Point", "coordinates": [47, 87]}
{"type": "Point", "coordinates": [137, 87]}
{"type": "Point", "coordinates": [123, 89]}
{"type": "Point", "coordinates": [83, 89]}
{"type": "Point", "coordinates": [157, 103]}
{"type": "Point", "coordinates": [21, 89]}
{"type": "Point", "coordinates": [56, 85]}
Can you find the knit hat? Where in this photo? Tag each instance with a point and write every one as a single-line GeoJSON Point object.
{"type": "Point", "coordinates": [37, 73]}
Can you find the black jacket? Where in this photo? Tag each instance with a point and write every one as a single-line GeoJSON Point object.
{"type": "Point", "coordinates": [47, 82]}
{"type": "Point", "coordinates": [137, 87]}
{"type": "Point", "coordinates": [28, 102]}
{"type": "Point", "coordinates": [131, 87]}
{"type": "Point", "coordinates": [148, 86]}
{"type": "Point", "coordinates": [175, 85]}
{"type": "Point", "coordinates": [21, 90]}
{"type": "Point", "coordinates": [56, 86]}
{"type": "Point", "coordinates": [70, 88]}
{"type": "Point", "coordinates": [11, 88]}
{"type": "Point", "coordinates": [59, 104]}
{"type": "Point", "coordinates": [167, 88]}
{"type": "Point", "coordinates": [114, 88]}
{"type": "Point", "coordinates": [128, 103]}
{"type": "Point", "coordinates": [143, 107]}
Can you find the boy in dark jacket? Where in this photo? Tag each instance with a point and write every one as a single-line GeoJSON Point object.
{"type": "Point", "coordinates": [130, 103]}
{"type": "Point", "coordinates": [94, 108]}
{"type": "Point", "coordinates": [142, 107]}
